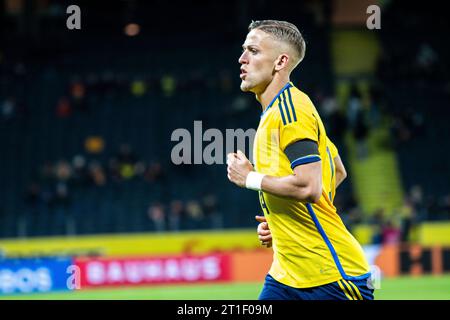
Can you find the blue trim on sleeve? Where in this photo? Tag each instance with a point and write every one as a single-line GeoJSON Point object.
{"type": "Point", "coordinates": [331, 248]}
{"type": "Point", "coordinates": [287, 85]}
{"type": "Point", "coordinates": [332, 170]}
{"type": "Point", "coordinates": [304, 160]}
{"type": "Point", "coordinates": [331, 163]}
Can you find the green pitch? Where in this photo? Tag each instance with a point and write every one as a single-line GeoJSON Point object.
{"type": "Point", "coordinates": [403, 288]}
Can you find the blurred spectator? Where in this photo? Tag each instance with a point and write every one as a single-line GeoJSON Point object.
{"type": "Point", "coordinates": [194, 214]}
{"type": "Point", "coordinates": [113, 169]}
{"type": "Point", "coordinates": [416, 198]}
{"type": "Point", "coordinates": [375, 106]}
{"type": "Point", "coordinates": [445, 206]}
{"type": "Point", "coordinates": [80, 173]}
{"type": "Point", "coordinates": [328, 111]}
{"type": "Point", "coordinates": [157, 216]}
{"type": "Point", "coordinates": [138, 88]}
{"type": "Point", "coordinates": [377, 222]}
{"type": "Point", "coordinates": [390, 232]}
{"type": "Point", "coordinates": [211, 211]}
{"type": "Point", "coordinates": [78, 91]}
{"type": "Point", "coordinates": [407, 125]}
{"type": "Point", "coordinates": [176, 215]}
{"type": "Point", "coordinates": [354, 106]}
{"type": "Point", "coordinates": [400, 130]}
{"type": "Point", "coordinates": [32, 196]}
{"type": "Point", "coordinates": [426, 59]}
{"type": "Point", "coordinates": [357, 121]}
{"type": "Point", "coordinates": [126, 155]}
{"type": "Point", "coordinates": [63, 108]}
{"type": "Point", "coordinates": [225, 81]}
{"type": "Point", "coordinates": [140, 168]}
{"type": "Point", "coordinates": [154, 172]}
{"type": "Point", "coordinates": [351, 217]}
{"type": "Point", "coordinates": [408, 216]}
{"type": "Point", "coordinates": [240, 104]}
{"type": "Point", "coordinates": [126, 171]}
{"type": "Point", "coordinates": [360, 132]}
{"type": "Point", "coordinates": [63, 170]}
{"type": "Point", "coordinates": [62, 198]}
{"type": "Point", "coordinates": [168, 85]}
{"type": "Point", "coordinates": [8, 109]}
{"type": "Point", "coordinates": [97, 173]}
{"type": "Point", "coordinates": [432, 204]}
{"type": "Point", "coordinates": [126, 160]}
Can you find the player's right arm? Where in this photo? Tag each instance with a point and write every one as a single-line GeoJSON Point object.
{"type": "Point", "coordinates": [299, 141]}
{"type": "Point", "coordinates": [304, 185]}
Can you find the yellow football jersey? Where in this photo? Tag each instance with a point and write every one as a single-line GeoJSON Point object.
{"type": "Point", "coordinates": [311, 244]}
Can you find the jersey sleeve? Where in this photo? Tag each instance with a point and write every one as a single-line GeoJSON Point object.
{"type": "Point", "coordinates": [333, 150]}
{"type": "Point", "coordinates": [304, 129]}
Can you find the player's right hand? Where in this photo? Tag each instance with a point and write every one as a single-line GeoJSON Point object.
{"type": "Point", "coordinates": [264, 234]}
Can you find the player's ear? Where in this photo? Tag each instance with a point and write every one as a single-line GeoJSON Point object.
{"type": "Point", "coordinates": [281, 62]}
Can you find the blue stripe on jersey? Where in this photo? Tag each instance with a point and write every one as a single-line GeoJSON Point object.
{"type": "Point", "coordinates": [332, 168]}
{"type": "Point", "coordinates": [287, 85]}
{"type": "Point", "coordinates": [282, 114]}
{"type": "Point", "coordinates": [286, 108]}
{"type": "Point", "coordinates": [304, 160]}
{"type": "Point", "coordinates": [331, 248]}
{"type": "Point", "coordinates": [291, 103]}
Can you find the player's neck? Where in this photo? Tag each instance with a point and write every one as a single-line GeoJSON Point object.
{"type": "Point", "coordinates": [274, 87]}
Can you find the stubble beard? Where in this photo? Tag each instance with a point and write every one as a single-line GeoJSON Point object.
{"type": "Point", "coordinates": [245, 86]}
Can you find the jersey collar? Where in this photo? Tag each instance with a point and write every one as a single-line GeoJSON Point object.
{"type": "Point", "coordinates": [287, 85]}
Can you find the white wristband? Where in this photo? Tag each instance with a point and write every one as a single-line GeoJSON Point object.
{"type": "Point", "coordinates": [254, 180]}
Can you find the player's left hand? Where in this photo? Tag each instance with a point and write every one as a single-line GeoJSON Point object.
{"type": "Point", "coordinates": [238, 168]}
{"type": "Point", "coordinates": [263, 230]}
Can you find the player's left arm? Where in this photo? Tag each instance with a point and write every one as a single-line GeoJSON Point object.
{"type": "Point", "coordinates": [341, 173]}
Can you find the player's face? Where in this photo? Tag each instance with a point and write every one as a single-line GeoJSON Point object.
{"type": "Point", "coordinates": [257, 61]}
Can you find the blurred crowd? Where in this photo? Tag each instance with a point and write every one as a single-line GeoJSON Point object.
{"type": "Point", "coordinates": [54, 185]}
{"type": "Point", "coordinates": [399, 226]}
{"type": "Point", "coordinates": [415, 65]}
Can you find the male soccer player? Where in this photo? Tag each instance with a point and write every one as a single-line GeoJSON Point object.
{"type": "Point", "coordinates": [334, 173]}
{"type": "Point", "coordinates": [315, 257]}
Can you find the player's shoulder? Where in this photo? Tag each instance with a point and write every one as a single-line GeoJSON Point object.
{"type": "Point", "coordinates": [294, 106]}
{"type": "Point", "coordinates": [301, 100]}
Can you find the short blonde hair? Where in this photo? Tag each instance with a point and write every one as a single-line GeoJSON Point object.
{"type": "Point", "coordinates": [283, 31]}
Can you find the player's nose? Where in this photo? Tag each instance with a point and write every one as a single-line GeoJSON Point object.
{"type": "Point", "coordinates": [243, 58]}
